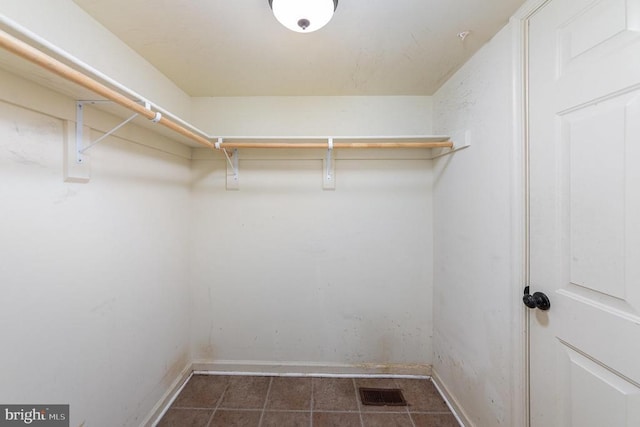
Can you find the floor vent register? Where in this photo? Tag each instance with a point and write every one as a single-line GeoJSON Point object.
{"type": "Point", "coordinates": [382, 396]}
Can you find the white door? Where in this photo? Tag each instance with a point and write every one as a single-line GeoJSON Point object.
{"type": "Point", "coordinates": [584, 225]}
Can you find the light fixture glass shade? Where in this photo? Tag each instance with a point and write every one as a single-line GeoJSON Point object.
{"type": "Point", "coordinates": [303, 16]}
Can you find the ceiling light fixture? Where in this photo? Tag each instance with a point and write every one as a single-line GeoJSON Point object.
{"type": "Point", "coordinates": [303, 16]}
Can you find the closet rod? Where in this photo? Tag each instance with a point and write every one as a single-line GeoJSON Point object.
{"type": "Point", "coordinates": [45, 61]}
{"type": "Point", "coordinates": [239, 144]}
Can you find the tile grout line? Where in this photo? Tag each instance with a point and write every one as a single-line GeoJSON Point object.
{"type": "Point", "coordinates": [411, 418]}
{"type": "Point", "coordinates": [355, 388]}
{"type": "Point", "coordinates": [218, 403]}
{"type": "Point", "coordinates": [406, 407]}
{"type": "Point", "coordinates": [266, 400]}
{"type": "Point", "coordinates": [293, 411]}
{"type": "Point", "coordinates": [311, 403]}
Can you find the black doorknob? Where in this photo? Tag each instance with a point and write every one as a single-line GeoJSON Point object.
{"type": "Point", "coordinates": [537, 300]}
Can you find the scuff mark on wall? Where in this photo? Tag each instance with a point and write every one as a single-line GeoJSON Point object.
{"type": "Point", "coordinates": [24, 159]}
{"type": "Point", "coordinates": [36, 128]}
{"type": "Point", "coordinates": [65, 196]}
{"type": "Point", "coordinates": [104, 307]}
{"type": "Point", "coordinates": [415, 40]}
{"type": "Point", "coordinates": [206, 351]}
{"type": "Point", "coordinates": [396, 368]}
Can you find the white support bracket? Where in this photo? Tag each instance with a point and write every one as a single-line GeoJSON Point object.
{"type": "Point", "coordinates": [82, 130]}
{"type": "Point", "coordinates": [463, 135]}
{"type": "Point", "coordinates": [97, 141]}
{"type": "Point", "coordinates": [81, 147]}
{"type": "Point", "coordinates": [79, 130]}
{"type": "Point", "coordinates": [233, 176]}
{"type": "Point", "coordinates": [78, 141]}
{"type": "Point", "coordinates": [329, 175]}
{"type": "Point", "coordinates": [451, 151]}
{"type": "Point", "coordinates": [75, 171]}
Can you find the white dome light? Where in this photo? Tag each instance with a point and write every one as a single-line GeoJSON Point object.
{"type": "Point", "coordinates": [303, 16]}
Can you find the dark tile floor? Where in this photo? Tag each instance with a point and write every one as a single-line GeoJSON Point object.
{"type": "Point", "coordinates": [223, 400]}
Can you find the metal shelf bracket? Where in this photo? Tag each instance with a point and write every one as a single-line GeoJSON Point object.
{"type": "Point", "coordinates": [329, 176]}
{"type": "Point", "coordinates": [450, 151]}
{"type": "Point", "coordinates": [233, 178]}
{"type": "Point", "coordinates": [80, 148]}
{"type": "Point", "coordinates": [459, 135]}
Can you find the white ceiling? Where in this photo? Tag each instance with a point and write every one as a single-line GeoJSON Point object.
{"type": "Point", "coordinates": [237, 48]}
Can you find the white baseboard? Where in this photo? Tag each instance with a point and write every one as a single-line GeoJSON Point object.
{"type": "Point", "coordinates": [253, 367]}
{"type": "Point", "coordinates": [453, 404]}
{"type": "Point", "coordinates": [167, 399]}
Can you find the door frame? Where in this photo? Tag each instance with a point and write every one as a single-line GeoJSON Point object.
{"type": "Point", "coordinates": [521, 403]}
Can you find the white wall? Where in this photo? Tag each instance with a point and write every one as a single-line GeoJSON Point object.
{"type": "Point", "coordinates": [314, 115]}
{"type": "Point", "coordinates": [476, 288]}
{"type": "Point", "coordinates": [93, 276]}
{"type": "Point", "coordinates": [286, 273]}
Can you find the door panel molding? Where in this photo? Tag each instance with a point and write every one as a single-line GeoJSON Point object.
{"type": "Point", "coordinates": [519, 27]}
